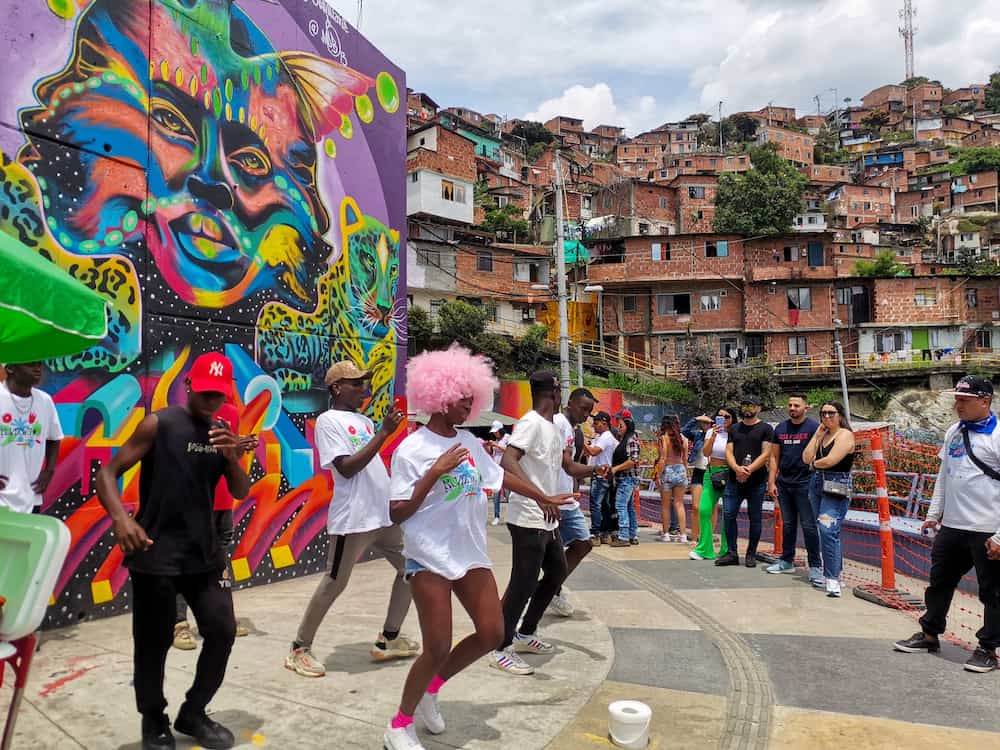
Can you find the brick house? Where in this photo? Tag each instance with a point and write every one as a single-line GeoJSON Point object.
{"type": "Point", "coordinates": [796, 147]}
{"type": "Point", "coordinates": [420, 109]}
{"type": "Point", "coordinates": [975, 192]}
{"type": "Point", "coordinates": [639, 208]}
{"type": "Point", "coordinates": [826, 174]}
{"type": "Point", "coordinates": [499, 277]}
{"type": "Point", "coordinates": [441, 170]}
{"type": "Point", "coordinates": [970, 98]}
{"type": "Point", "coordinates": [851, 205]}
{"type": "Point", "coordinates": [986, 136]}
{"type": "Point", "coordinates": [695, 200]}
{"type": "Point", "coordinates": [680, 137]}
{"type": "Point", "coordinates": [700, 163]}
{"type": "Point", "coordinates": [638, 157]}
{"type": "Point", "coordinates": [889, 98]}
{"type": "Point", "coordinates": [812, 123]}
{"type": "Point", "coordinates": [925, 98]}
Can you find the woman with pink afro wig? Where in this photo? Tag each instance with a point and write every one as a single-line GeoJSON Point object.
{"type": "Point", "coordinates": [437, 495]}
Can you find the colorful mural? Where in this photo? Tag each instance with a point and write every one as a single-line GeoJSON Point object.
{"type": "Point", "coordinates": [229, 175]}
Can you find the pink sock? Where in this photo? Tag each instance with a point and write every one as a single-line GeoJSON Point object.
{"type": "Point", "coordinates": [436, 683]}
{"type": "Point", "coordinates": [401, 721]}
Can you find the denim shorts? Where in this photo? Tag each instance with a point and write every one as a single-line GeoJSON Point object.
{"type": "Point", "coordinates": [673, 475]}
{"type": "Point", "coordinates": [411, 568]}
{"type": "Point", "coordinates": [573, 527]}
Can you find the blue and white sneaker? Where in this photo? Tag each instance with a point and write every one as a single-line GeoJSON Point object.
{"type": "Point", "coordinates": [782, 566]}
{"type": "Point", "coordinates": [507, 661]}
{"type": "Point", "coordinates": [816, 578]}
{"type": "Point", "coordinates": [529, 644]}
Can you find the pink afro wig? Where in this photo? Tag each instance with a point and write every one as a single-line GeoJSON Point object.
{"type": "Point", "coordinates": [436, 380]}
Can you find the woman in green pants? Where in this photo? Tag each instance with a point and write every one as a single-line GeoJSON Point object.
{"type": "Point", "coordinates": [715, 451]}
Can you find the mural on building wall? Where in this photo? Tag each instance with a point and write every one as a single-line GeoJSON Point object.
{"type": "Point", "coordinates": [230, 175]}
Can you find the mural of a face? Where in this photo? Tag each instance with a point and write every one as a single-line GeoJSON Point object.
{"type": "Point", "coordinates": [230, 205]}
{"type": "Point", "coordinates": [373, 274]}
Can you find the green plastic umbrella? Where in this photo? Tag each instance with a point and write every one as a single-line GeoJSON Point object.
{"type": "Point", "coordinates": [44, 312]}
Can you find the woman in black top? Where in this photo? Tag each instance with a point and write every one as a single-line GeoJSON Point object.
{"type": "Point", "coordinates": [830, 454]}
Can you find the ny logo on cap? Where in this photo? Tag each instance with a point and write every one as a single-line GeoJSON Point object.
{"type": "Point", "coordinates": [216, 369]}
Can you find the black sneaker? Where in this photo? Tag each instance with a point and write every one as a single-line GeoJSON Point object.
{"type": "Point", "coordinates": [156, 733]}
{"type": "Point", "coordinates": [982, 660]}
{"type": "Point", "coordinates": [730, 558]}
{"type": "Point", "coordinates": [210, 734]}
{"type": "Point", "coordinates": [750, 560]}
{"type": "Point", "coordinates": [916, 643]}
{"type": "Point", "coordinates": [633, 540]}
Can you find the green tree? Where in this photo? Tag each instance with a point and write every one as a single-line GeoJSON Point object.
{"type": "Point", "coordinates": [760, 379]}
{"type": "Point", "coordinates": [911, 83]}
{"type": "Point", "coordinates": [761, 201]}
{"type": "Point", "coordinates": [874, 121]}
{"type": "Point", "coordinates": [459, 321]}
{"type": "Point", "coordinates": [971, 263]}
{"type": "Point", "coordinates": [535, 150]}
{"type": "Point", "coordinates": [820, 396]}
{"type": "Point", "coordinates": [975, 159]}
{"type": "Point", "coordinates": [481, 194]}
{"type": "Point", "coordinates": [993, 92]}
{"type": "Point", "coordinates": [713, 385]}
{"type": "Point", "coordinates": [496, 347]}
{"type": "Point", "coordinates": [883, 266]}
{"type": "Point", "coordinates": [529, 351]}
{"type": "Point", "coordinates": [533, 132]}
{"type": "Point", "coordinates": [419, 330]}
{"type": "Point", "coordinates": [506, 220]}
{"type": "Point", "coordinates": [744, 126]}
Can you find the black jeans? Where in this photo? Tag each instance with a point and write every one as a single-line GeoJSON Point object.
{"type": "Point", "coordinates": [153, 608]}
{"type": "Point", "coordinates": [534, 551]}
{"type": "Point", "coordinates": [955, 553]}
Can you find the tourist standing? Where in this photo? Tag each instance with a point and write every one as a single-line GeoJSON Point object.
{"type": "Point", "coordinates": [747, 455]}
{"type": "Point", "coordinates": [600, 451]}
{"type": "Point", "coordinates": [789, 483]}
{"type": "Point", "coordinates": [29, 438]}
{"type": "Point", "coordinates": [357, 519]}
{"type": "Point", "coordinates": [495, 446]}
{"type": "Point", "coordinates": [670, 476]}
{"type": "Point", "coordinates": [625, 470]}
{"type": "Point", "coordinates": [830, 455]}
{"type": "Point", "coordinates": [173, 546]}
{"type": "Point", "coordinates": [716, 475]}
{"type": "Point", "coordinates": [695, 430]}
{"type": "Point", "coordinates": [964, 517]}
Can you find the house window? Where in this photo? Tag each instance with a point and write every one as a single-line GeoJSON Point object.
{"type": "Point", "coordinates": [527, 314]}
{"type": "Point", "coordinates": [630, 303]}
{"type": "Point", "coordinates": [925, 297]}
{"type": "Point", "coordinates": [696, 192]}
{"type": "Point", "coordinates": [984, 338]}
{"type": "Point", "coordinates": [657, 251]}
{"type": "Point", "coordinates": [711, 302]}
{"type": "Point", "coordinates": [428, 258]}
{"type": "Point", "coordinates": [965, 237]}
{"type": "Point", "coordinates": [607, 201]}
{"type": "Point", "coordinates": [436, 306]}
{"type": "Point", "coordinates": [718, 249]}
{"type": "Point", "coordinates": [754, 346]}
{"type": "Point", "coordinates": [643, 228]}
{"type": "Point", "coordinates": [799, 298]}
{"type": "Point", "coordinates": [797, 345]}
{"type": "Point", "coordinates": [844, 296]}
{"type": "Point", "coordinates": [972, 297]}
{"type": "Point", "coordinates": [415, 177]}
{"type": "Point", "coordinates": [673, 304]}
{"type": "Point", "coordinates": [452, 192]}
{"type": "Point", "coordinates": [664, 203]}
{"type": "Point", "coordinates": [484, 261]}
{"type": "Point", "coordinates": [792, 253]}
{"type": "Point", "coordinates": [680, 348]}
{"type": "Point", "coordinates": [586, 202]}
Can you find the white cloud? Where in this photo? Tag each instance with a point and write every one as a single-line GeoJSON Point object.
{"type": "Point", "coordinates": [661, 60]}
{"type": "Point", "coordinates": [595, 105]}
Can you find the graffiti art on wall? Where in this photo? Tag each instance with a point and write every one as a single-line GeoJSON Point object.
{"type": "Point", "coordinates": [230, 176]}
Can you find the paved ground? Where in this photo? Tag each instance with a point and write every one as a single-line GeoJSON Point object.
{"type": "Point", "coordinates": [726, 657]}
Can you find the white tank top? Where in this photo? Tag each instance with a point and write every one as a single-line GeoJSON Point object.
{"type": "Point", "coordinates": [719, 445]}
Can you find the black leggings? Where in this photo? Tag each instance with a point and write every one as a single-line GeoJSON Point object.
{"type": "Point", "coordinates": [153, 607]}
{"type": "Point", "coordinates": [535, 550]}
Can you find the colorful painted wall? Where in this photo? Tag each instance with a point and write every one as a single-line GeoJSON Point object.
{"type": "Point", "coordinates": [230, 175]}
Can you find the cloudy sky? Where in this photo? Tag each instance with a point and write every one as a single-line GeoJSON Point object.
{"type": "Point", "coordinates": [639, 63]}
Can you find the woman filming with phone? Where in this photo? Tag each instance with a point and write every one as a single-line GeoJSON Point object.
{"type": "Point", "coordinates": [713, 485]}
{"type": "Point", "coordinates": [830, 453]}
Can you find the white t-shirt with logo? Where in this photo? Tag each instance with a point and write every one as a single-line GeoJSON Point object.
{"type": "Point", "coordinates": [26, 423]}
{"type": "Point", "coordinates": [447, 534]}
{"type": "Point", "coordinates": [607, 443]}
{"type": "Point", "coordinates": [360, 503]}
{"type": "Point", "coordinates": [971, 499]}
{"type": "Point", "coordinates": [568, 435]}
{"type": "Point", "coordinates": [542, 463]}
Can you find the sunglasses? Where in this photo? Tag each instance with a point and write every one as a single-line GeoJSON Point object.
{"type": "Point", "coordinates": [725, 416]}
{"type": "Point", "coordinates": [829, 413]}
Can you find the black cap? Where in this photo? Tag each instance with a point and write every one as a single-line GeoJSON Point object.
{"type": "Point", "coordinates": [973, 386]}
{"type": "Point", "coordinates": [602, 416]}
{"type": "Point", "coordinates": [751, 399]}
{"type": "Point", "coordinates": [543, 381]}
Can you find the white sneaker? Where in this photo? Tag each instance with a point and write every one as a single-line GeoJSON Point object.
{"type": "Point", "coordinates": [495, 521]}
{"type": "Point", "coordinates": [561, 606]}
{"type": "Point", "coordinates": [529, 644]}
{"type": "Point", "coordinates": [663, 538]}
{"type": "Point", "coordinates": [429, 713]}
{"type": "Point", "coordinates": [683, 539]}
{"type": "Point", "coordinates": [401, 739]}
{"type": "Point", "coordinates": [832, 587]}
{"type": "Point", "coordinates": [507, 661]}
{"type": "Point", "coordinates": [694, 555]}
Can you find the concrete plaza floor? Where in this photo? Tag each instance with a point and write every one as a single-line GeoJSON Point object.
{"type": "Point", "coordinates": [726, 657]}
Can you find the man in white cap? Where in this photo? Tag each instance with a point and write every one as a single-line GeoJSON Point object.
{"type": "Point", "coordinates": [495, 446]}
{"type": "Point", "coordinates": [358, 518]}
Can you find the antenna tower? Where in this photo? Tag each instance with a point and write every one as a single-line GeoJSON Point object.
{"type": "Point", "coordinates": [908, 30]}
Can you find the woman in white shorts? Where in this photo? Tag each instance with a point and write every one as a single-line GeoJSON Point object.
{"type": "Point", "coordinates": [437, 495]}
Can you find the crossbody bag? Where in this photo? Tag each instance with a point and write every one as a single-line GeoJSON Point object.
{"type": "Point", "coordinates": [987, 470]}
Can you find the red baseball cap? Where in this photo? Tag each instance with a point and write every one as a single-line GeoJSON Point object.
{"type": "Point", "coordinates": [211, 371]}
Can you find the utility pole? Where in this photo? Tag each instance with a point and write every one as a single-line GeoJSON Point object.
{"type": "Point", "coordinates": [721, 150]}
{"type": "Point", "coordinates": [819, 110]}
{"type": "Point", "coordinates": [843, 370]}
{"type": "Point", "coordinates": [560, 250]}
{"type": "Point", "coordinates": [908, 30]}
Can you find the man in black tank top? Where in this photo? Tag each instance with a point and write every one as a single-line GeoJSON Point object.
{"type": "Point", "coordinates": [172, 547]}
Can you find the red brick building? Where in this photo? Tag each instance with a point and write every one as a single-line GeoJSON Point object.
{"type": "Point", "coordinates": [826, 174]}
{"type": "Point", "coordinates": [796, 147]}
{"type": "Point", "coordinates": [851, 205]}
{"type": "Point", "coordinates": [701, 163]}
{"type": "Point", "coordinates": [695, 202]}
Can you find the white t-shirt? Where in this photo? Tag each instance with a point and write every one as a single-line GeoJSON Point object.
{"type": "Point", "coordinates": [607, 443]}
{"type": "Point", "coordinates": [971, 499]}
{"type": "Point", "coordinates": [568, 435]}
{"type": "Point", "coordinates": [447, 534]}
{"type": "Point", "coordinates": [360, 503]}
{"type": "Point", "coordinates": [497, 453]}
{"type": "Point", "coordinates": [26, 423]}
{"type": "Point", "coordinates": [542, 463]}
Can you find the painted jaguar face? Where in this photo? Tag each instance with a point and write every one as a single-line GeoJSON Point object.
{"type": "Point", "coordinates": [373, 271]}
{"type": "Point", "coordinates": [231, 204]}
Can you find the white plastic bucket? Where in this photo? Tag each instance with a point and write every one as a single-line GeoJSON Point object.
{"type": "Point", "coordinates": [628, 724]}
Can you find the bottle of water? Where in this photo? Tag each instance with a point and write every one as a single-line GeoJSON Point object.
{"type": "Point", "coordinates": [747, 460]}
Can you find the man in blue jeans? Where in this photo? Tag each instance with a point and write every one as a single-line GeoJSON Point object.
{"type": "Point", "coordinates": [748, 454]}
{"type": "Point", "coordinates": [789, 483]}
{"type": "Point", "coordinates": [600, 455]}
